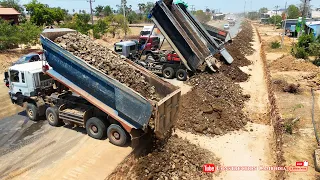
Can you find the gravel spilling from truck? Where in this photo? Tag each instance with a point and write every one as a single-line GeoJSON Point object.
{"type": "Point", "coordinates": [108, 62]}
{"type": "Point", "coordinates": [176, 159]}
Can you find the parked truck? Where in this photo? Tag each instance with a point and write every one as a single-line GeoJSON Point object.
{"type": "Point", "coordinates": [196, 48]}
{"type": "Point", "coordinates": [67, 90]}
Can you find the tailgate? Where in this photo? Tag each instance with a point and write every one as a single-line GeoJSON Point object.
{"type": "Point", "coordinates": [167, 113]}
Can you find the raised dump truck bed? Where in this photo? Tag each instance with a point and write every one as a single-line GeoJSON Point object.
{"type": "Point", "coordinates": [122, 103]}
{"type": "Point", "coordinates": [218, 34]}
{"type": "Point", "coordinates": [187, 36]}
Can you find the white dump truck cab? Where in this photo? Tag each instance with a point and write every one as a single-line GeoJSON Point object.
{"type": "Point", "coordinates": [26, 81]}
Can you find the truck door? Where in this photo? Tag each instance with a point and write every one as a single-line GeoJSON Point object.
{"type": "Point", "coordinates": [18, 83]}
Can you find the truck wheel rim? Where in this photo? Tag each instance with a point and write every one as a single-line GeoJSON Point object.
{"type": "Point", "coordinates": [167, 73]}
{"type": "Point", "coordinates": [50, 117]}
{"type": "Point", "coordinates": [116, 135]}
{"type": "Point", "coordinates": [181, 75]}
{"type": "Point", "coordinates": [93, 129]}
{"type": "Point", "coordinates": [30, 112]}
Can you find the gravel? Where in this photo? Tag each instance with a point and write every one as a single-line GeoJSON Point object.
{"type": "Point", "coordinates": [108, 62]}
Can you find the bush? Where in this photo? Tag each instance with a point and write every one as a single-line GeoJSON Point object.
{"type": "Point", "coordinates": [315, 49]}
{"type": "Point", "coordinates": [275, 45]}
{"type": "Point", "coordinates": [305, 40]}
{"type": "Point", "coordinates": [300, 53]}
{"type": "Point", "coordinates": [316, 62]}
{"type": "Point", "coordinates": [11, 36]}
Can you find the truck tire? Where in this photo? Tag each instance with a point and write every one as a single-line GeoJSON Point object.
{"type": "Point", "coordinates": [117, 135]}
{"type": "Point", "coordinates": [182, 75]}
{"type": "Point", "coordinates": [96, 128]}
{"type": "Point", "coordinates": [168, 73]}
{"type": "Point", "coordinates": [32, 112]}
{"type": "Point", "coordinates": [52, 116]}
{"type": "Point", "coordinates": [149, 55]}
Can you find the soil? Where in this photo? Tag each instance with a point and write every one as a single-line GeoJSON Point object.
{"type": "Point", "coordinates": [290, 63]}
{"type": "Point", "coordinates": [213, 107]}
{"type": "Point", "coordinates": [239, 49]}
{"type": "Point", "coordinates": [177, 159]}
{"type": "Point", "coordinates": [241, 46]}
{"type": "Point", "coordinates": [283, 86]}
{"type": "Point", "coordinates": [108, 62]}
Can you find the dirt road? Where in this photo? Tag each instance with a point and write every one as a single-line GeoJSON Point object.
{"type": "Point", "coordinates": [253, 145]}
{"type": "Point", "coordinates": [35, 150]}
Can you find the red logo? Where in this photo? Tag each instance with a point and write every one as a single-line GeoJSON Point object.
{"type": "Point", "coordinates": [209, 168]}
{"type": "Point", "coordinates": [299, 163]}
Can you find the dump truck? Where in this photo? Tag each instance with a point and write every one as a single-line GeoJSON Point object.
{"type": "Point", "coordinates": [187, 36]}
{"type": "Point", "coordinates": [68, 90]}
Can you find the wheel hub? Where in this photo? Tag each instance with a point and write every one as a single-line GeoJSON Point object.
{"type": "Point", "coordinates": [116, 135]}
{"type": "Point", "coordinates": [50, 117]}
{"type": "Point", "coordinates": [30, 112]}
{"type": "Point", "coordinates": [94, 128]}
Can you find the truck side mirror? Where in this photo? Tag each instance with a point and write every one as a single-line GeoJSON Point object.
{"type": "Point", "coordinates": [6, 75]}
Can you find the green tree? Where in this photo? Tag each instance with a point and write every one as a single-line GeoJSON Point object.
{"type": "Point", "coordinates": [277, 19]}
{"type": "Point", "coordinates": [40, 14]}
{"type": "Point", "coordinates": [133, 17]}
{"type": "Point", "coordinates": [293, 12]}
{"type": "Point", "coordinates": [100, 28]}
{"type": "Point", "coordinates": [8, 35]}
{"type": "Point", "coordinates": [263, 10]}
{"type": "Point", "coordinates": [202, 16]}
{"type": "Point", "coordinates": [28, 33]}
{"type": "Point", "coordinates": [11, 36]}
{"type": "Point", "coordinates": [107, 11]}
{"type": "Point", "coordinates": [117, 23]}
{"type": "Point", "coordinates": [58, 14]}
{"type": "Point", "coordinates": [98, 10]}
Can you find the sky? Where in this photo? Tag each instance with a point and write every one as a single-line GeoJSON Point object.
{"type": "Point", "coordinates": [225, 6]}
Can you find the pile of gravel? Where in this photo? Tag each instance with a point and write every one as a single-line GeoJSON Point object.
{"type": "Point", "coordinates": [108, 62]}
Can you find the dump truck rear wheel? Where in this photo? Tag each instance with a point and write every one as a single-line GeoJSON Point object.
{"type": "Point", "coordinates": [52, 116]}
{"type": "Point", "coordinates": [117, 135]}
{"type": "Point", "coordinates": [168, 73]}
{"type": "Point", "coordinates": [32, 112]}
{"type": "Point", "coordinates": [96, 128]}
{"type": "Point", "coordinates": [181, 75]}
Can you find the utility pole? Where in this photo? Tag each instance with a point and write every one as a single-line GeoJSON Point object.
{"type": "Point", "coordinates": [245, 4]}
{"type": "Point", "coordinates": [285, 24]}
{"type": "Point", "coordinates": [91, 10]}
{"type": "Point", "coordinates": [275, 18]}
{"type": "Point", "coordinates": [192, 8]}
{"type": "Point", "coordinates": [303, 15]}
{"type": "Point", "coordinates": [124, 4]}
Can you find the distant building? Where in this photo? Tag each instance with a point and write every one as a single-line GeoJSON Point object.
{"type": "Point", "coordinates": [275, 12]}
{"type": "Point", "coordinates": [315, 14]}
{"type": "Point", "coordinates": [9, 14]}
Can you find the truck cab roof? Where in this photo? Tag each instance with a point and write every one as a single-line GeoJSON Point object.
{"type": "Point", "coordinates": [125, 43]}
{"type": "Point", "coordinates": [30, 67]}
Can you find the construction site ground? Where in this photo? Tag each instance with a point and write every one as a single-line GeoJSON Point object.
{"type": "Point", "coordinates": [298, 140]}
{"type": "Point", "coordinates": [35, 150]}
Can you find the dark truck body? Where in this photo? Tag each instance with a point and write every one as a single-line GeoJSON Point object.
{"type": "Point", "coordinates": [187, 36]}
{"type": "Point", "coordinates": [115, 99]}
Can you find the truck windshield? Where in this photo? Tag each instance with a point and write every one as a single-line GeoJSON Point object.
{"type": "Point", "coordinates": [144, 33]}
{"type": "Point", "coordinates": [118, 48]}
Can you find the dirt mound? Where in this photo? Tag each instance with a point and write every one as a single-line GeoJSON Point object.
{"type": "Point", "coordinates": [290, 63]}
{"type": "Point", "coordinates": [234, 72]}
{"type": "Point", "coordinates": [108, 62]}
{"type": "Point", "coordinates": [213, 107]}
{"type": "Point", "coordinates": [241, 45]}
{"type": "Point", "coordinates": [177, 159]}
{"type": "Point", "coordinates": [282, 86]}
